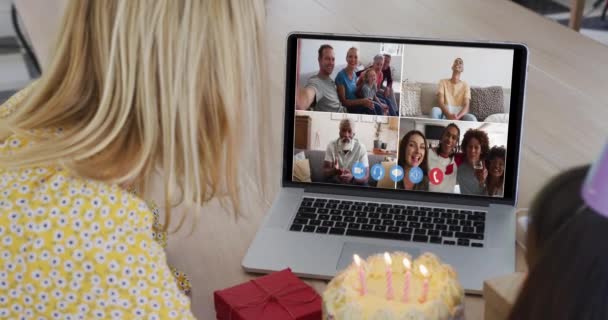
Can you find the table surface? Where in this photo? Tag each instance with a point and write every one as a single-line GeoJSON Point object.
{"type": "Point", "coordinates": [565, 118]}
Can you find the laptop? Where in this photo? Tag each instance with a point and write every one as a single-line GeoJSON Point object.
{"type": "Point", "coordinates": [365, 180]}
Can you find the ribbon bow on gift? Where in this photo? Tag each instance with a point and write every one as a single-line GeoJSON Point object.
{"type": "Point", "coordinates": [278, 296]}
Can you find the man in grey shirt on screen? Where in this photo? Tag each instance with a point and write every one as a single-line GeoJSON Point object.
{"type": "Point", "coordinates": [320, 90]}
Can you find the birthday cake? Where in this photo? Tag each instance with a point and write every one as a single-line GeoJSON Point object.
{"type": "Point", "coordinates": [407, 290]}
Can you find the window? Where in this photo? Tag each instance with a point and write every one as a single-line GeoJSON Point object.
{"type": "Point", "coordinates": [394, 49]}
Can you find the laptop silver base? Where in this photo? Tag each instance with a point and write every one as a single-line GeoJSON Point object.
{"type": "Point", "coordinates": [322, 256]}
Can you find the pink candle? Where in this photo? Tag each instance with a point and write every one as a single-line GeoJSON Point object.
{"type": "Point", "coordinates": [362, 284]}
{"type": "Point", "coordinates": [389, 276]}
{"type": "Point", "coordinates": [425, 284]}
{"type": "Point", "coordinates": [408, 275]}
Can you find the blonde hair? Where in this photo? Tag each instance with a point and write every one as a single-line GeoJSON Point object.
{"type": "Point", "coordinates": [355, 49]}
{"type": "Point", "coordinates": [140, 86]}
{"type": "Point", "coordinates": [366, 76]}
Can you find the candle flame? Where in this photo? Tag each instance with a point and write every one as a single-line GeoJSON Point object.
{"type": "Point", "coordinates": [357, 260]}
{"type": "Point", "coordinates": [424, 271]}
{"type": "Point", "coordinates": [387, 258]}
{"type": "Point", "coordinates": [407, 263]}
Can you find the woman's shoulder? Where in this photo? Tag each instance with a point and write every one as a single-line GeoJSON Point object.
{"type": "Point", "coordinates": [341, 76]}
{"type": "Point", "coordinates": [86, 231]}
{"type": "Point", "coordinates": [57, 188]}
{"type": "Point", "coordinates": [10, 105]}
{"type": "Point", "coordinates": [13, 143]}
{"type": "Point", "coordinates": [119, 203]}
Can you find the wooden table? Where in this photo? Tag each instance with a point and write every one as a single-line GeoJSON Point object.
{"type": "Point", "coordinates": [500, 295]}
{"type": "Point", "coordinates": [565, 119]}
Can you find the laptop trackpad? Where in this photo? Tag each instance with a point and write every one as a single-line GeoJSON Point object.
{"type": "Point", "coordinates": [365, 250]}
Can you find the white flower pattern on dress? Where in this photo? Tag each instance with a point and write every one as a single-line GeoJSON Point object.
{"type": "Point", "coordinates": [72, 248]}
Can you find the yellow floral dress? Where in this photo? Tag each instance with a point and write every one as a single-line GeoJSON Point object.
{"type": "Point", "coordinates": [183, 283]}
{"type": "Point", "coordinates": [72, 248]}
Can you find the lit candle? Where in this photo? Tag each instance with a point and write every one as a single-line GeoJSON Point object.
{"type": "Point", "coordinates": [408, 275]}
{"type": "Point", "coordinates": [363, 285]}
{"type": "Point", "coordinates": [425, 285]}
{"type": "Point", "coordinates": [389, 276]}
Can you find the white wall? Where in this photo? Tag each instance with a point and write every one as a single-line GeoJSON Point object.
{"type": "Point", "coordinates": [324, 129]}
{"type": "Point", "coordinates": [396, 69]}
{"type": "Point", "coordinates": [367, 51]}
{"type": "Point", "coordinates": [482, 67]}
{"type": "Point", "coordinates": [6, 28]}
{"type": "Point", "coordinates": [406, 125]}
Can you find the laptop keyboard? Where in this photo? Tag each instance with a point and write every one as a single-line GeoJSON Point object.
{"type": "Point", "coordinates": [386, 221]}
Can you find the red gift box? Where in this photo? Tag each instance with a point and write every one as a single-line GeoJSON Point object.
{"type": "Point", "coordinates": [280, 295]}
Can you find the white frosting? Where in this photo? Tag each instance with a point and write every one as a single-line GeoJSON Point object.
{"type": "Point", "coordinates": [343, 300]}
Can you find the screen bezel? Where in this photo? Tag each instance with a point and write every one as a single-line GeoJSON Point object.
{"type": "Point", "coordinates": [516, 111]}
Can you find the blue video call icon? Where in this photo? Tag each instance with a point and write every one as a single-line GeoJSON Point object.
{"type": "Point", "coordinates": [358, 170]}
{"type": "Point", "coordinates": [416, 175]}
{"type": "Point", "coordinates": [377, 172]}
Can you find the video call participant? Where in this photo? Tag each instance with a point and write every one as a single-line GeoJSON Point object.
{"type": "Point", "coordinates": [472, 172]}
{"type": "Point", "coordinates": [495, 163]}
{"type": "Point", "coordinates": [320, 88]}
{"type": "Point", "coordinates": [441, 161]}
{"type": "Point", "coordinates": [346, 84]}
{"type": "Point", "coordinates": [369, 90]}
{"type": "Point", "coordinates": [454, 96]}
{"type": "Point", "coordinates": [378, 63]}
{"type": "Point", "coordinates": [412, 153]}
{"type": "Point", "coordinates": [342, 154]}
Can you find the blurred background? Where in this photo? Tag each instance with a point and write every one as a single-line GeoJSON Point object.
{"type": "Point", "coordinates": [582, 15]}
{"type": "Point", "coordinates": [16, 67]}
{"type": "Point", "coordinates": [27, 28]}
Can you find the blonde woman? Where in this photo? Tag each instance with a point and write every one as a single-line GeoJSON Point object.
{"type": "Point", "coordinates": [130, 90]}
{"type": "Point", "coordinates": [346, 86]}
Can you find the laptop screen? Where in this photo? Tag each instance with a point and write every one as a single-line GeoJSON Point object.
{"type": "Point", "coordinates": [402, 116]}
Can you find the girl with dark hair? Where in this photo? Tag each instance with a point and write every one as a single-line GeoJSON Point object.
{"type": "Point", "coordinates": [567, 246]}
{"type": "Point", "coordinates": [495, 162]}
{"type": "Point", "coordinates": [412, 153]}
{"type": "Point", "coordinates": [442, 165]}
{"type": "Point", "coordinates": [471, 169]}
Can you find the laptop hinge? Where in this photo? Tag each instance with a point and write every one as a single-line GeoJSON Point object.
{"type": "Point", "coordinates": [402, 196]}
